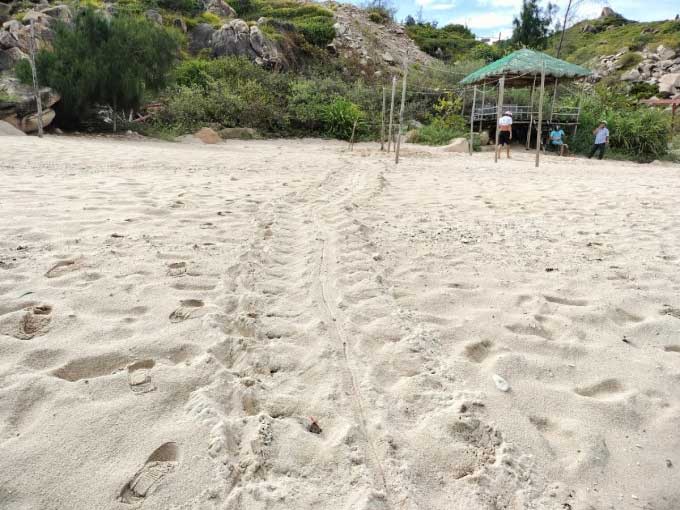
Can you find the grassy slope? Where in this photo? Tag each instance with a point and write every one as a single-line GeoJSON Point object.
{"type": "Point", "coordinates": [580, 47]}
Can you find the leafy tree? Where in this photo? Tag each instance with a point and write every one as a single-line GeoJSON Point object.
{"type": "Point", "coordinates": [532, 27]}
{"type": "Point", "coordinates": [105, 61]}
{"type": "Point", "coordinates": [409, 21]}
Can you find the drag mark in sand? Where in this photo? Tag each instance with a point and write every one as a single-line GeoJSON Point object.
{"type": "Point", "coordinates": [356, 393]}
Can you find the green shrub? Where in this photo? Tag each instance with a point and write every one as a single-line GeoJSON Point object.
{"type": "Point", "coordinates": [440, 132]}
{"type": "Point", "coordinates": [190, 7]}
{"type": "Point", "coordinates": [630, 59]}
{"type": "Point", "coordinates": [340, 117]}
{"type": "Point", "coordinates": [317, 30]}
{"type": "Point", "coordinates": [99, 60]}
{"type": "Point", "coordinates": [379, 15]}
{"type": "Point", "coordinates": [636, 132]}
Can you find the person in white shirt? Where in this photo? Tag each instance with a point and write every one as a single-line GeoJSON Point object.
{"type": "Point", "coordinates": [505, 133]}
{"type": "Point", "coordinates": [601, 140]}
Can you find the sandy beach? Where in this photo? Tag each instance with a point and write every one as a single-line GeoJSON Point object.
{"type": "Point", "coordinates": [290, 325]}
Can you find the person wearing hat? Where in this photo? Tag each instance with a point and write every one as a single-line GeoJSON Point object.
{"type": "Point", "coordinates": [505, 133]}
{"type": "Point", "coordinates": [601, 139]}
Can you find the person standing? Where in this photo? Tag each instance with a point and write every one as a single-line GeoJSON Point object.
{"type": "Point", "coordinates": [505, 133]}
{"type": "Point", "coordinates": [601, 140]}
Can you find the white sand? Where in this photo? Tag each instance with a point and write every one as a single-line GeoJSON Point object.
{"type": "Point", "coordinates": [171, 316]}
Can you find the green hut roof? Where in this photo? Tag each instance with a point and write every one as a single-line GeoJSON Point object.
{"type": "Point", "coordinates": [521, 66]}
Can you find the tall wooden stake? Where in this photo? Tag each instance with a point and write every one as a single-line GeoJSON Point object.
{"type": "Point", "coordinates": [578, 112]}
{"type": "Point", "coordinates": [540, 116]}
{"type": "Point", "coordinates": [394, 91]}
{"type": "Point", "coordinates": [401, 110]}
{"type": "Point", "coordinates": [552, 106]}
{"type": "Point", "coordinates": [531, 121]}
{"type": "Point", "coordinates": [351, 140]}
{"type": "Point", "coordinates": [481, 117]}
{"type": "Point", "coordinates": [382, 122]}
{"type": "Point", "coordinates": [472, 117]}
{"type": "Point", "coordinates": [36, 88]}
{"type": "Point", "coordinates": [499, 109]}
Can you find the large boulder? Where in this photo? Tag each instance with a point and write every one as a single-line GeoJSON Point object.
{"type": "Point", "coordinates": [265, 51]}
{"type": "Point", "coordinates": [7, 40]}
{"type": "Point", "coordinates": [61, 12]}
{"type": "Point", "coordinates": [29, 123]}
{"type": "Point", "coordinates": [207, 135]}
{"type": "Point", "coordinates": [632, 75]}
{"type": "Point", "coordinates": [669, 83]}
{"type": "Point", "coordinates": [7, 129]}
{"type": "Point", "coordinates": [10, 57]}
{"type": "Point", "coordinates": [200, 38]}
{"type": "Point", "coordinates": [233, 39]}
{"type": "Point", "coordinates": [665, 53]}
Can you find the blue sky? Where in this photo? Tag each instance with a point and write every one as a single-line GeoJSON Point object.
{"type": "Point", "coordinates": [491, 17]}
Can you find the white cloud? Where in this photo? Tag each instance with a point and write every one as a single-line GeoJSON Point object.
{"type": "Point", "coordinates": [484, 20]}
{"type": "Point", "coordinates": [442, 7]}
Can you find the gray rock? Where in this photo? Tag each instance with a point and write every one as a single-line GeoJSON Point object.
{"type": "Point", "coordinates": [388, 58]}
{"type": "Point", "coordinates": [10, 57]}
{"type": "Point", "coordinates": [37, 17]}
{"type": "Point", "coordinates": [669, 83]}
{"type": "Point", "coordinates": [12, 25]}
{"type": "Point", "coordinates": [340, 29]}
{"type": "Point", "coordinates": [7, 129]}
{"type": "Point", "coordinates": [632, 75]}
{"type": "Point", "coordinates": [233, 39]}
{"type": "Point", "coordinates": [200, 37]}
{"type": "Point", "coordinates": [154, 15]}
{"type": "Point", "coordinates": [219, 7]}
{"type": "Point", "coordinates": [664, 64]}
{"type": "Point", "coordinates": [665, 53]}
{"type": "Point", "coordinates": [7, 40]}
{"type": "Point", "coordinates": [5, 9]}
{"type": "Point", "coordinates": [61, 12]}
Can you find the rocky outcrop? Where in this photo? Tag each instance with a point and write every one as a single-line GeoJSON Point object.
{"type": "Point", "coordinates": [653, 67]}
{"type": "Point", "coordinates": [236, 38]}
{"type": "Point", "coordinates": [15, 36]}
{"type": "Point", "coordinates": [21, 109]}
{"type": "Point", "coordinates": [207, 135]}
{"type": "Point", "coordinates": [374, 45]}
{"type": "Point", "coordinates": [7, 129]}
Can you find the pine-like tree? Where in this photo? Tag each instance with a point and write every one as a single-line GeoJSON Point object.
{"type": "Point", "coordinates": [532, 26]}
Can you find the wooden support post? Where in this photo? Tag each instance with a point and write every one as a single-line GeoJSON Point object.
{"type": "Point", "coordinates": [351, 140]}
{"type": "Point", "coordinates": [531, 121]}
{"type": "Point", "coordinates": [481, 117]}
{"type": "Point", "coordinates": [401, 110]}
{"type": "Point", "coordinates": [552, 106]}
{"type": "Point", "coordinates": [394, 90]}
{"type": "Point", "coordinates": [499, 110]}
{"type": "Point", "coordinates": [462, 108]}
{"type": "Point", "coordinates": [36, 88]}
{"type": "Point", "coordinates": [472, 118]}
{"type": "Point", "coordinates": [540, 116]}
{"type": "Point", "coordinates": [578, 113]}
{"type": "Point", "coordinates": [382, 121]}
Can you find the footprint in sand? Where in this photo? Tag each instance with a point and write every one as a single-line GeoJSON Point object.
{"type": "Point", "coordinates": [138, 376]}
{"type": "Point", "coordinates": [478, 351]}
{"type": "Point", "coordinates": [161, 462]}
{"type": "Point", "coordinates": [188, 310]}
{"type": "Point", "coordinates": [603, 390]}
{"type": "Point", "coordinates": [177, 268]}
{"type": "Point", "coordinates": [27, 323]}
{"type": "Point", "coordinates": [62, 267]}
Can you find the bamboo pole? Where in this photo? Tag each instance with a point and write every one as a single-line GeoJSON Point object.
{"type": "Point", "coordinates": [394, 91]}
{"type": "Point", "coordinates": [531, 121]}
{"type": "Point", "coordinates": [36, 88]}
{"type": "Point", "coordinates": [472, 118]}
{"type": "Point", "coordinates": [540, 116]}
{"type": "Point", "coordinates": [499, 108]}
{"type": "Point", "coordinates": [481, 117]}
{"type": "Point", "coordinates": [401, 110]}
{"type": "Point", "coordinates": [382, 121]}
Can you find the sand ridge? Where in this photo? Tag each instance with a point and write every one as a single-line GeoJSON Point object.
{"type": "Point", "coordinates": [286, 324]}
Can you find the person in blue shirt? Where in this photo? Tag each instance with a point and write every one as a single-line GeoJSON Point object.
{"type": "Point", "coordinates": [601, 140]}
{"type": "Point", "coordinates": [557, 140]}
